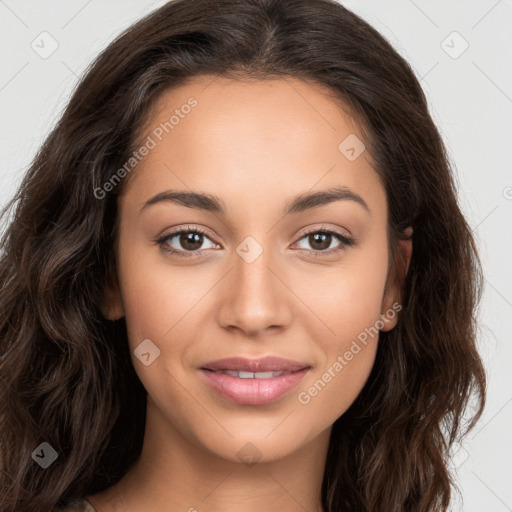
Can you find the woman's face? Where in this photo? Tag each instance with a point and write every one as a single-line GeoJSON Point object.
{"type": "Point", "coordinates": [261, 281]}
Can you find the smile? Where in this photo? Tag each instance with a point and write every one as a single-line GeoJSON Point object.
{"type": "Point", "coordinates": [252, 388]}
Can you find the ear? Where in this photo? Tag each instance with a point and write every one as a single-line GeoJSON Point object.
{"type": "Point", "coordinates": [396, 278]}
{"type": "Point", "coordinates": [112, 307]}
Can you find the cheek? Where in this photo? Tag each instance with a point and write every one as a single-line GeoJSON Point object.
{"type": "Point", "coordinates": [157, 299]}
{"type": "Point", "coordinates": [336, 386]}
{"type": "Point", "coordinates": [347, 298]}
{"type": "Point", "coordinates": [158, 306]}
{"type": "Point", "coordinates": [347, 354]}
{"type": "Point", "coordinates": [351, 309]}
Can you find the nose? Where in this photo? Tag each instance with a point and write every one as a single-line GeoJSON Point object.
{"type": "Point", "coordinates": [255, 297]}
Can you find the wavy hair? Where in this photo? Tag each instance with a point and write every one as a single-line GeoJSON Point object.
{"type": "Point", "coordinates": [66, 372]}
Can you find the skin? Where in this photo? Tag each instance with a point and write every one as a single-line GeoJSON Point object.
{"type": "Point", "coordinates": [255, 145]}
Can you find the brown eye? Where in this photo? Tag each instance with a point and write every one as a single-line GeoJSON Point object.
{"type": "Point", "coordinates": [184, 242]}
{"type": "Point", "coordinates": [191, 241]}
{"type": "Point", "coordinates": [321, 241]}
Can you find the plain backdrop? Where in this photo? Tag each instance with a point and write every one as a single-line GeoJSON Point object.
{"type": "Point", "coordinates": [462, 53]}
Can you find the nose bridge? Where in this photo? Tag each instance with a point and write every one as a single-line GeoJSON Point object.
{"type": "Point", "coordinates": [255, 298]}
{"type": "Point", "coordinates": [252, 262]}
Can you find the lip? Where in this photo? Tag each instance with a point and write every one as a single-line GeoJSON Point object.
{"type": "Point", "coordinates": [253, 391]}
{"type": "Point", "coordinates": [265, 364]}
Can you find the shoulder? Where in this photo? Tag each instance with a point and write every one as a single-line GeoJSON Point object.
{"type": "Point", "coordinates": [79, 506]}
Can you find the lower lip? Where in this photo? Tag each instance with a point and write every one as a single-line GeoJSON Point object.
{"type": "Point", "coordinates": [253, 391]}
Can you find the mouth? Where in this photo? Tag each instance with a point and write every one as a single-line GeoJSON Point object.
{"type": "Point", "coordinates": [262, 365]}
{"type": "Point", "coordinates": [253, 381]}
{"type": "Point", "coordinates": [241, 374]}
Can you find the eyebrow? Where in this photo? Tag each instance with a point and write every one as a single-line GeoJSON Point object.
{"type": "Point", "coordinates": [300, 203]}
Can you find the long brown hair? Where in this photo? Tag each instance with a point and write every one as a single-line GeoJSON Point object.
{"type": "Point", "coordinates": [66, 373]}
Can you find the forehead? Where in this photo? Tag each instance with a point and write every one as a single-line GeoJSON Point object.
{"type": "Point", "coordinates": [263, 107]}
{"type": "Point", "coordinates": [268, 138]}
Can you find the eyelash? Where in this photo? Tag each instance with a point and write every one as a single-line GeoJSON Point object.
{"type": "Point", "coordinates": [344, 239]}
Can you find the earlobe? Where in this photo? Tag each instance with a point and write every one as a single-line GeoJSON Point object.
{"type": "Point", "coordinates": [393, 292]}
{"type": "Point", "coordinates": [112, 313]}
{"type": "Point", "coordinates": [112, 307]}
{"type": "Point", "coordinates": [404, 255]}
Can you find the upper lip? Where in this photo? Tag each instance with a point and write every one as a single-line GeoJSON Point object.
{"type": "Point", "coordinates": [264, 364]}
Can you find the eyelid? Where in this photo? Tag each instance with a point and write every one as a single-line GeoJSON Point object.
{"type": "Point", "coordinates": [325, 228]}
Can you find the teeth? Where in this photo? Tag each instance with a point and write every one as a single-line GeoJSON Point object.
{"type": "Point", "coordinates": [253, 375]}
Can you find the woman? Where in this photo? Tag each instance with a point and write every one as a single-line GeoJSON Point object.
{"type": "Point", "coordinates": [238, 277]}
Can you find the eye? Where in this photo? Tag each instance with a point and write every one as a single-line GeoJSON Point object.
{"type": "Point", "coordinates": [190, 239]}
{"type": "Point", "coordinates": [322, 239]}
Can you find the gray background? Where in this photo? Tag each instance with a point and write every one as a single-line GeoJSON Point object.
{"type": "Point", "coordinates": [470, 96]}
